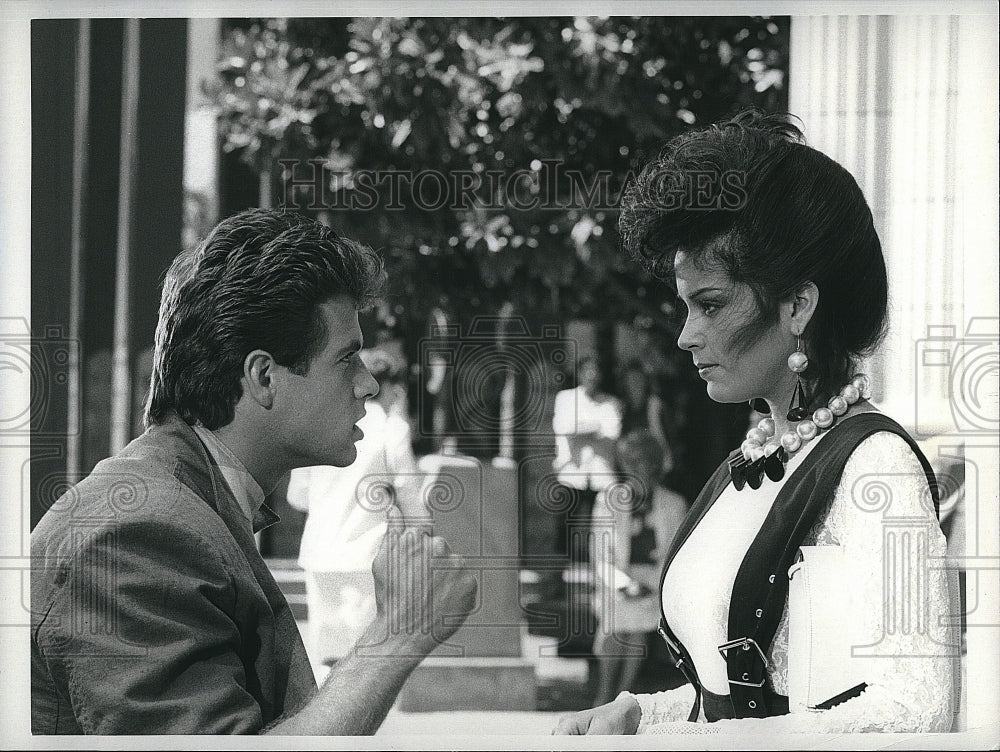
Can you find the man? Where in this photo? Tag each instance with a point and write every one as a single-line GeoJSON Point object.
{"type": "Point", "coordinates": [152, 611]}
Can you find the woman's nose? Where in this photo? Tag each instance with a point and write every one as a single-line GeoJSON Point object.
{"type": "Point", "coordinates": [689, 338]}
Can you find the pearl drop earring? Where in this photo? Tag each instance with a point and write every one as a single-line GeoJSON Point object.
{"type": "Point", "coordinates": [798, 362]}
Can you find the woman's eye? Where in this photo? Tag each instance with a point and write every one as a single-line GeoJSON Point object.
{"type": "Point", "coordinates": [708, 308]}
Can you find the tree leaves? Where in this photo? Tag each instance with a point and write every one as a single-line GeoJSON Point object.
{"type": "Point", "coordinates": [479, 95]}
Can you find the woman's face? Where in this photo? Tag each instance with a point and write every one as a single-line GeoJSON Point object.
{"type": "Point", "coordinates": [716, 308]}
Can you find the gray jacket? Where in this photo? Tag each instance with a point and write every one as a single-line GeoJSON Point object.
{"type": "Point", "coordinates": [152, 610]}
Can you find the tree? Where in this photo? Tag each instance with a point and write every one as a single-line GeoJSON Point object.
{"type": "Point", "coordinates": [429, 95]}
{"type": "Point", "coordinates": [559, 110]}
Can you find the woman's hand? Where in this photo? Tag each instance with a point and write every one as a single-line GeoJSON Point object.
{"type": "Point", "coordinates": [620, 716]}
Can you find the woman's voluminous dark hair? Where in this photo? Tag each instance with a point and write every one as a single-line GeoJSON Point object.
{"type": "Point", "coordinates": [748, 196]}
{"type": "Point", "coordinates": [256, 282]}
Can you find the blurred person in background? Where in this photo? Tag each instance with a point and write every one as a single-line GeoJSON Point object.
{"type": "Point", "coordinates": [633, 524]}
{"type": "Point", "coordinates": [346, 519]}
{"type": "Point", "coordinates": [586, 422]}
{"type": "Point", "coordinates": [642, 406]}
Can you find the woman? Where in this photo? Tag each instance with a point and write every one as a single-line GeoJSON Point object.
{"type": "Point", "coordinates": [775, 256]}
{"type": "Point", "coordinates": [633, 523]}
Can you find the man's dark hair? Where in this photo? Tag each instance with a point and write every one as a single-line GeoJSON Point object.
{"type": "Point", "coordinates": [777, 214]}
{"type": "Point", "coordinates": [256, 282]}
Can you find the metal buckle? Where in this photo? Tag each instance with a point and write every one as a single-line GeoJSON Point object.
{"type": "Point", "coordinates": [672, 647]}
{"type": "Point", "coordinates": [670, 643]}
{"type": "Point", "coordinates": [745, 643]}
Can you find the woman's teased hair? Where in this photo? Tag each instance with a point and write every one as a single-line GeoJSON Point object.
{"type": "Point", "coordinates": [748, 196]}
{"type": "Point", "coordinates": [256, 282]}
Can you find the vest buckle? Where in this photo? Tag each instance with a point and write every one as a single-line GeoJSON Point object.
{"type": "Point", "coordinates": [744, 643]}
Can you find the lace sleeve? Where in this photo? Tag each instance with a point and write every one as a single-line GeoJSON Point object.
{"type": "Point", "coordinates": [661, 708]}
{"type": "Point", "coordinates": [905, 603]}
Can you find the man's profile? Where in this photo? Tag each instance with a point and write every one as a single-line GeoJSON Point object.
{"type": "Point", "coordinates": [152, 610]}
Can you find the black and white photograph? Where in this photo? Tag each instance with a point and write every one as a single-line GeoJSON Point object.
{"type": "Point", "coordinates": [455, 376]}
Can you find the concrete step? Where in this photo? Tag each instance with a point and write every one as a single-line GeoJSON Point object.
{"type": "Point", "coordinates": [469, 684]}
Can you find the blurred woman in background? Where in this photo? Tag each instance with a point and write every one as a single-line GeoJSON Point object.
{"type": "Point", "coordinates": [346, 519]}
{"type": "Point", "coordinates": [633, 523]}
{"type": "Point", "coordinates": [642, 406]}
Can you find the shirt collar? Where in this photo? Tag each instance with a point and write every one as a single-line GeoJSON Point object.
{"type": "Point", "coordinates": [248, 493]}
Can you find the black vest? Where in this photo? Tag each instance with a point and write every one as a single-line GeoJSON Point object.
{"type": "Point", "coordinates": [761, 586]}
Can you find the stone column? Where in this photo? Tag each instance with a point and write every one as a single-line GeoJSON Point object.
{"type": "Point", "coordinates": [473, 504]}
{"type": "Point", "coordinates": [903, 105]}
{"type": "Point", "coordinates": [909, 105]}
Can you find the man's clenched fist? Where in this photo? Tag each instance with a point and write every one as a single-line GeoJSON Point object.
{"type": "Point", "coordinates": [418, 582]}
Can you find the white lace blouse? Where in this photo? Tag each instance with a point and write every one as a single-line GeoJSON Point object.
{"type": "Point", "coordinates": [912, 672]}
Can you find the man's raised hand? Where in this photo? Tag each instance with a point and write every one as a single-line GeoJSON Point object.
{"type": "Point", "coordinates": [418, 582]}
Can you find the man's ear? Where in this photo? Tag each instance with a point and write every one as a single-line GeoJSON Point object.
{"type": "Point", "coordinates": [802, 307]}
{"type": "Point", "coordinates": [259, 378]}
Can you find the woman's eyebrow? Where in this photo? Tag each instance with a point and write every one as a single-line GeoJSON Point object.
{"type": "Point", "coordinates": [699, 291]}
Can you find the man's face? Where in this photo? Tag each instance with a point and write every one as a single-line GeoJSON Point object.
{"type": "Point", "coordinates": [317, 412]}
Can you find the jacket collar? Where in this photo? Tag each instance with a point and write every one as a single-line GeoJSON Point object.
{"type": "Point", "coordinates": [194, 467]}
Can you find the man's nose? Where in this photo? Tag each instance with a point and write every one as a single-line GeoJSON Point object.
{"type": "Point", "coordinates": [366, 386]}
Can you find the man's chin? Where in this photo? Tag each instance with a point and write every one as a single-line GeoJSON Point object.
{"type": "Point", "coordinates": [344, 457]}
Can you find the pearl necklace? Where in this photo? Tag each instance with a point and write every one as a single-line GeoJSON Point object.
{"type": "Point", "coordinates": [762, 454]}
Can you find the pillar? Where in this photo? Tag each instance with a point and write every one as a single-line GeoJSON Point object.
{"type": "Point", "coordinates": [908, 104]}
